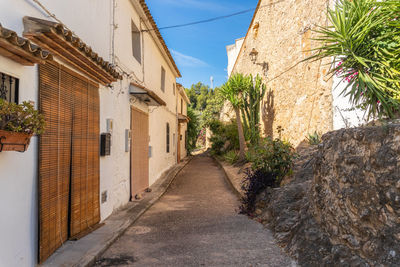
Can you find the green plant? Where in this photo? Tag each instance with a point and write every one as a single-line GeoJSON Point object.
{"type": "Point", "coordinates": [252, 98]}
{"type": "Point", "coordinates": [192, 130]}
{"type": "Point", "coordinates": [232, 91]}
{"type": "Point", "coordinates": [273, 156]}
{"type": "Point", "coordinates": [364, 41]}
{"type": "Point", "coordinates": [314, 139]}
{"type": "Point", "coordinates": [21, 118]}
{"type": "Point", "coordinates": [231, 156]}
{"type": "Point", "coordinates": [223, 134]}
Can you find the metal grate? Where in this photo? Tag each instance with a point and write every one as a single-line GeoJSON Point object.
{"type": "Point", "coordinates": [9, 88]}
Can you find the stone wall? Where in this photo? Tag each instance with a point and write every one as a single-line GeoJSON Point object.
{"type": "Point", "coordinates": [300, 98]}
{"type": "Point", "coordinates": [356, 191]}
{"type": "Point", "coordinates": [341, 207]}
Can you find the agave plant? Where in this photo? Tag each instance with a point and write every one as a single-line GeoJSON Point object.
{"type": "Point", "coordinates": [364, 40]}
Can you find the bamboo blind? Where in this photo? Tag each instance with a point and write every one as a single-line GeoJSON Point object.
{"type": "Point", "coordinates": [140, 151]}
{"type": "Point", "coordinates": [68, 157]}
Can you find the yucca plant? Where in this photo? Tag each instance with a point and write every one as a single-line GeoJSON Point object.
{"type": "Point", "coordinates": [364, 41]}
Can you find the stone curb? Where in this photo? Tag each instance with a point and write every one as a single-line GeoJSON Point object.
{"type": "Point", "coordinates": [229, 178]}
{"type": "Point", "coordinates": [86, 251]}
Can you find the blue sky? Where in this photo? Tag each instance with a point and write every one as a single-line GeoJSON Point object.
{"type": "Point", "coordinates": [200, 50]}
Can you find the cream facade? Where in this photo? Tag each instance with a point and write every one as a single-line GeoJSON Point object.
{"type": "Point", "coordinates": [107, 27]}
{"type": "Point", "coordinates": [301, 98]}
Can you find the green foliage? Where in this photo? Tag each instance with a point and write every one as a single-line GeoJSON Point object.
{"type": "Point", "coordinates": [198, 95]}
{"type": "Point", "coordinates": [231, 156]}
{"type": "Point", "coordinates": [272, 156]}
{"type": "Point", "coordinates": [20, 118]}
{"type": "Point", "coordinates": [234, 88]}
{"type": "Point", "coordinates": [314, 139]}
{"type": "Point", "coordinates": [213, 108]}
{"type": "Point", "coordinates": [223, 134]}
{"type": "Point", "coordinates": [252, 98]}
{"type": "Point", "coordinates": [193, 129]}
{"type": "Point", "coordinates": [364, 41]}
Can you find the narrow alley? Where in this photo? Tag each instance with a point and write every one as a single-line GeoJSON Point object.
{"type": "Point", "coordinates": [196, 223]}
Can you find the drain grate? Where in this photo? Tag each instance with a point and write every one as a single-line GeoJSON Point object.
{"type": "Point", "coordinates": [115, 261]}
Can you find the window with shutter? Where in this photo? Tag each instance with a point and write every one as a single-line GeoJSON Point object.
{"type": "Point", "coordinates": [167, 137]}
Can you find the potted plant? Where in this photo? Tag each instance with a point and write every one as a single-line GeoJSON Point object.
{"type": "Point", "coordinates": [17, 125]}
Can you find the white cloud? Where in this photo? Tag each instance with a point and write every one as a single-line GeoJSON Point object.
{"type": "Point", "coordinates": [187, 61]}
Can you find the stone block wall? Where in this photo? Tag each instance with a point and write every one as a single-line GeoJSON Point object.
{"type": "Point", "coordinates": [300, 98]}
{"type": "Point", "coordinates": [356, 191]}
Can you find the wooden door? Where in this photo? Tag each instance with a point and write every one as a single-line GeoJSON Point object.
{"type": "Point", "coordinates": [179, 144]}
{"type": "Point", "coordinates": [139, 151]}
{"type": "Point", "coordinates": [68, 157]}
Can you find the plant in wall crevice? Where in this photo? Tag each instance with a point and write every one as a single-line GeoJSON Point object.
{"type": "Point", "coordinates": [17, 125]}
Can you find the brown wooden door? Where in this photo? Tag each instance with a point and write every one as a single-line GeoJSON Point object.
{"type": "Point", "coordinates": [179, 144]}
{"type": "Point", "coordinates": [139, 151]}
{"type": "Point", "coordinates": [68, 157]}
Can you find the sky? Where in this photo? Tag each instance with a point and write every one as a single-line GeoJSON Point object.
{"type": "Point", "coordinates": [200, 50]}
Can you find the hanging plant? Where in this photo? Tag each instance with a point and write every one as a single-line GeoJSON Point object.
{"type": "Point", "coordinates": [17, 125]}
{"type": "Point", "coordinates": [364, 41]}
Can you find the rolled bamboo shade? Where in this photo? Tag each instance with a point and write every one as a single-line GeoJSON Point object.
{"type": "Point", "coordinates": [68, 157]}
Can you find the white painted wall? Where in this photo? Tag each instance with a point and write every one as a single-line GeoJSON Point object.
{"type": "Point", "coordinates": [233, 52]}
{"type": "Point", "coordinates": [91, 21]}
{"type": "Point", "coordinates": [344, 114]}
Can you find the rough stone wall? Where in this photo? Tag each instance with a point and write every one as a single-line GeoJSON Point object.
{"type": "Point", "coordinates": [300, 99]}
{"type": "Point", "coordinates": [356, 191]}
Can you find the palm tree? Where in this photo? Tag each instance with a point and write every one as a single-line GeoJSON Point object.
{"type": "Point", "coordinates": [232, 91]}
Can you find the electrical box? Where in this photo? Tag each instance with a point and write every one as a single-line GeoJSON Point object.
{"type": "Point", "coordinates": [150, 151]}
{"type": "Point", "coordinates": [127, 140]}
{"type": "Point", "coordinates": [109, 125]}
{"type": "Point", "coordinates": [105, 144]}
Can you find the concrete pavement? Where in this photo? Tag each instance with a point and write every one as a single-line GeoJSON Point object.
{"type": "Point", "coordinates": [196, 223]}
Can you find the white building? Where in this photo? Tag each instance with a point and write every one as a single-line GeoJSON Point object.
{"type": "Point", "coordinates": [109, 73]}
{"type": "Point", "coordinates": [232, 53]}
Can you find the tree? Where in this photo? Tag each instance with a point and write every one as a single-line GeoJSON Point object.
{"type": "Point", "coordinates": [193, 129]}
{"type": "Point", "coordinates": [232, 91]}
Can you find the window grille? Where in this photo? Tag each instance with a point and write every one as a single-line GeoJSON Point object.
{"type": "Point", "coordinates": [162, 79]}
{"type": "Point", "coordinates": [9, 88]}
{"type": "Point", "coordinates": [167, 137]}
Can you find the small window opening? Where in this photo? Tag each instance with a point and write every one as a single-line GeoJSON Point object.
{"type": "Point", "coordinates": [136, 43]}
{"type": "Point", "coordinates": [9, 88]}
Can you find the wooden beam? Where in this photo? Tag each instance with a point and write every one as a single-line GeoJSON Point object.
{"type": "Point", "coordinates": [14, 57]}
{"type": "Point", "coordinates": [68, 61]}
{"type": "Point", "coordinates": [19, 51]}
{"type": "Point", "coordinates": [75, 51]}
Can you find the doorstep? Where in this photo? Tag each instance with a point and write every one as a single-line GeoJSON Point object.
{"type": "Point", "coordinates": [85, 251]}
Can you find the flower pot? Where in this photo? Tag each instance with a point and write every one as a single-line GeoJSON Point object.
{"type": "Point", "coordinates": [12, 141]}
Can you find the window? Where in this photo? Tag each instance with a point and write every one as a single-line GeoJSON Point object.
{"type": "Point", "coordinates": [167, 137]}
{"type": "Point", "coordinates": [186, 139]}
{"type": "Point", "coordinates": [9, 88]}
{"type": "Point", "coordinates": [162, 79]}
{"type": "Point", "coordinates": [136, 44]}
{"type": "Point", "coordinates": [173, 88]}
{"type": "Point", "coordinates": [181, 106]}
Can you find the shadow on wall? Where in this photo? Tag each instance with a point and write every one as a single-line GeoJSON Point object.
{"type": "Point", "coordinates": [268, 114]}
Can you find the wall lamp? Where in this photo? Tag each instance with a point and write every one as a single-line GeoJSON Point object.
{"type": "Point", "coordinates": [253, 58]}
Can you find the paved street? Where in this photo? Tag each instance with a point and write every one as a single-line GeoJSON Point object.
{"type": "Point", "coordinates": [196, 223]}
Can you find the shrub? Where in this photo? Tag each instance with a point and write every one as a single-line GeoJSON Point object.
{"type": "Point", "coordinates": [273, 156]}
{"type": "Point", "coordinates": [223, 134]}
{"type": "Point", "coordinates": [21, 118]}
{"type": "Point", "coordinates": [231, 156]}
{"type": "Point", "coordinates": [255, 182]}
{"type": "Point", "coordinates": [314, 139]}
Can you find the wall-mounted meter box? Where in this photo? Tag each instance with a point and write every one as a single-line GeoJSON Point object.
{"type": "Point", "coordinates": [109, 126]}
{"type": "Point", "coordinates": [105, 144]}
{"type": "Point", "coordinates": [127, 140]}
